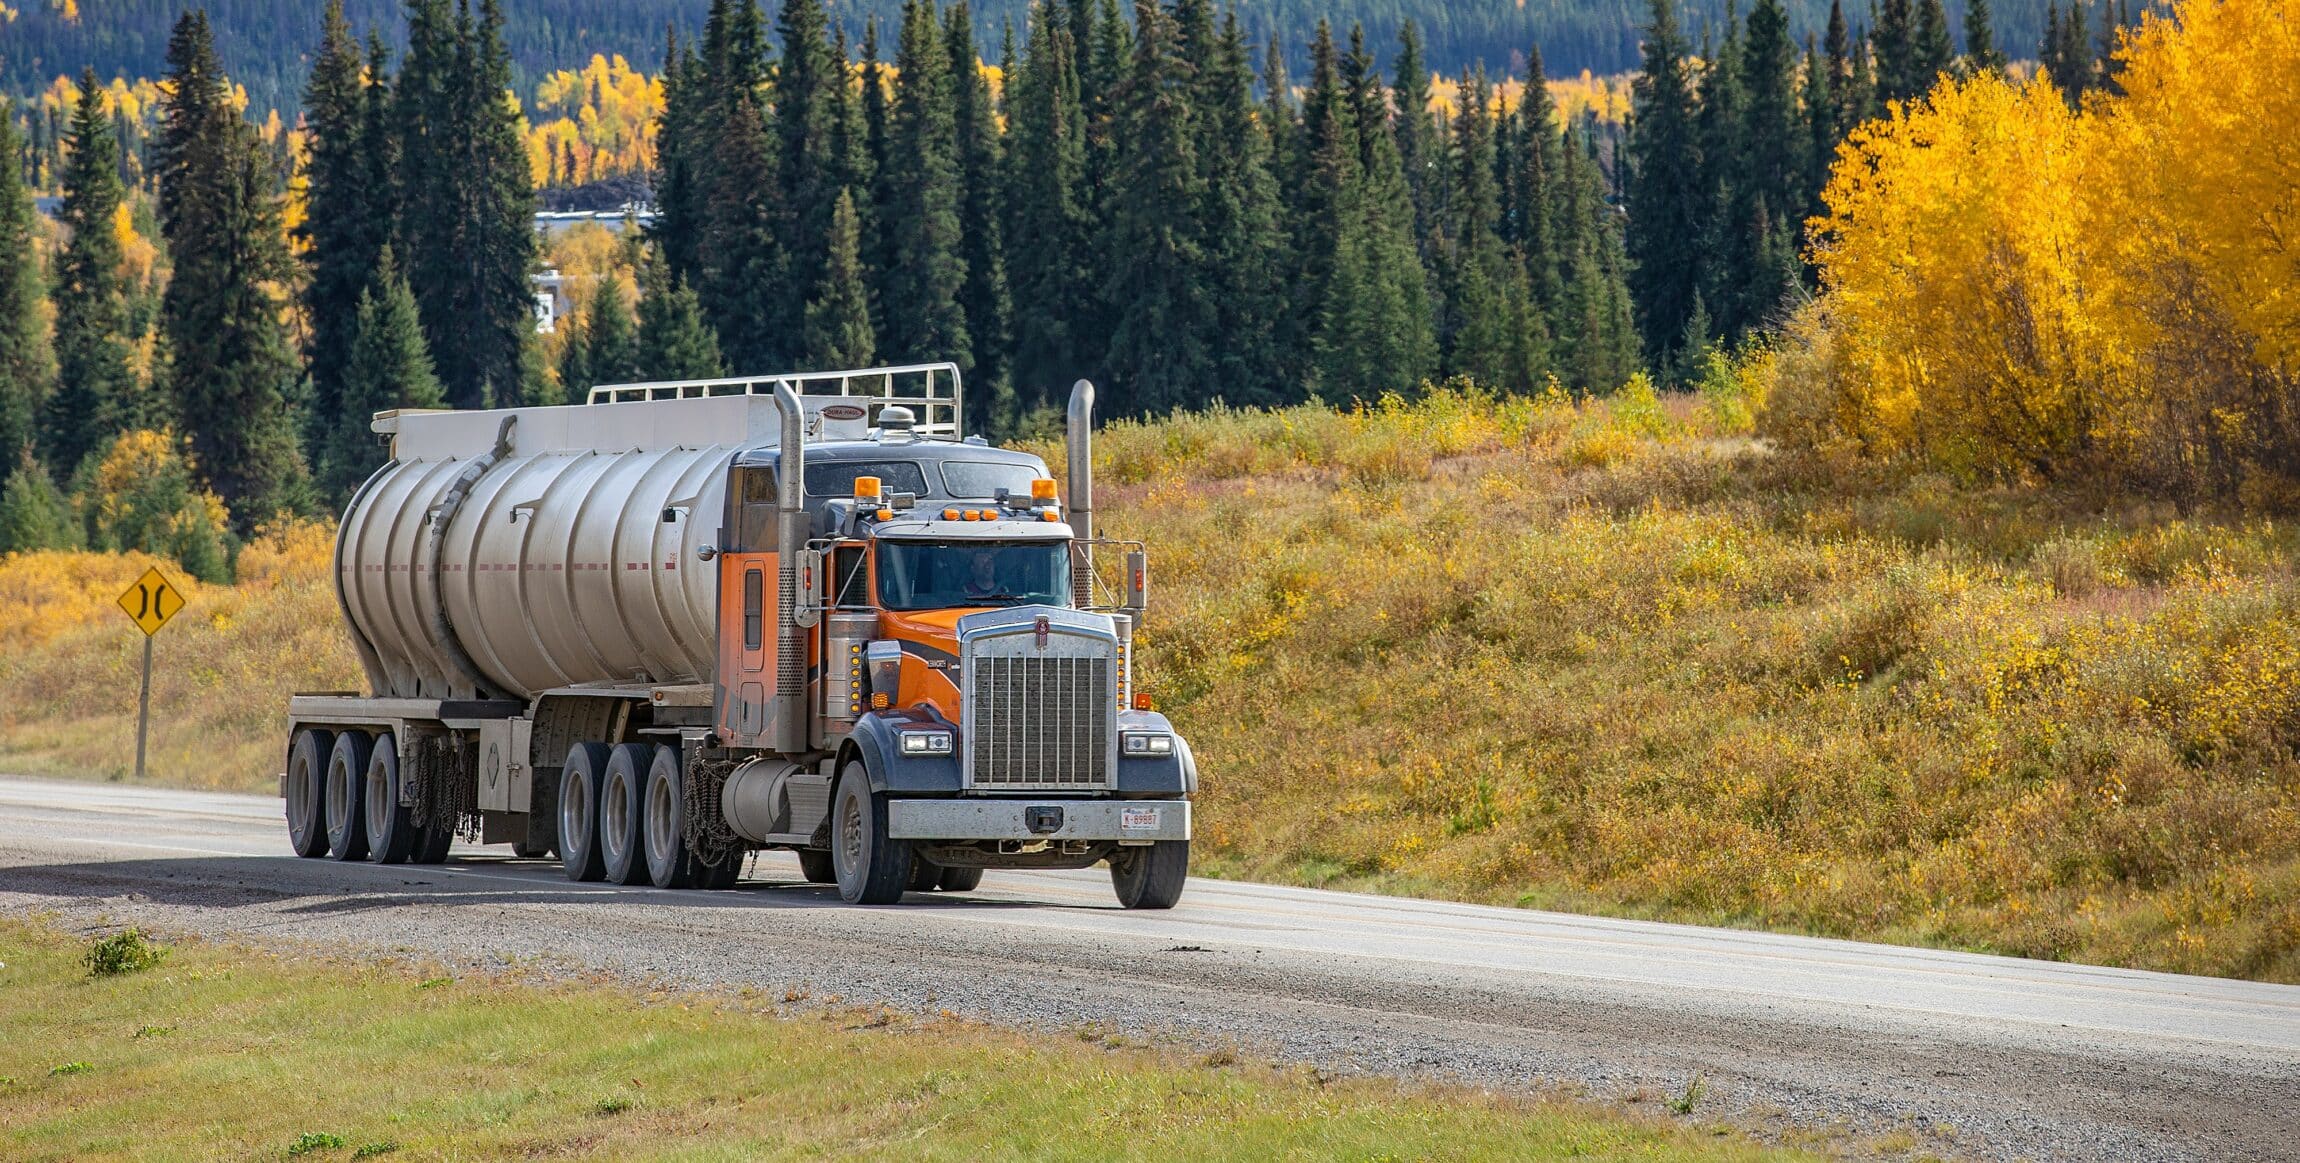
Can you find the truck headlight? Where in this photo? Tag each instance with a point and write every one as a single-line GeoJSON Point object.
{"type": "Point", "coordinates": [1147, 745]}
{"type": "Point", "coordinates": [926, 743]}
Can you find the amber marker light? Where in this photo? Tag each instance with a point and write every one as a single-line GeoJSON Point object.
{"type": "Point", "coordinates": [1142, 701]}
{"type": "Point", "coordinates": [886, 514]}
{"type": "Point", "coordinates": [971, 515]}
{"type": "Point", "coordinates": [950, 514]}
{"type": "Point", "coordinates": [1050, 515]}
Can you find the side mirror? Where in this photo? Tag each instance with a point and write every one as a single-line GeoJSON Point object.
{"type": "Point", "coordinates": [1137, 583]}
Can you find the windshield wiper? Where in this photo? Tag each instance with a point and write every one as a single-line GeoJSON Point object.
{"type": "Point", "coordinates": [1001, 597]}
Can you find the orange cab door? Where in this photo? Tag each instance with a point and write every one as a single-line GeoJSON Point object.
{"type": "Point", "coordinates": [747, 600]}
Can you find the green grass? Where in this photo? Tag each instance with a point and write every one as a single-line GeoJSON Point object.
{"type": "Point", "coordinates": [274, 1057]}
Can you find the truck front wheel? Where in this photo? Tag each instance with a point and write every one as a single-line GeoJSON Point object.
{"type": "Point", "coordinates": [872, 869]}
{"type": "Point", "coordinates": [1151, 876]}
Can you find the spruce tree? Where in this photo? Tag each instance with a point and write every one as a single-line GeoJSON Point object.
{"type": "Point", "coordinates": [1418, 155]}
{"type": "Point", "coordinates": [1895, 43]}
{"type": "Point", "coordinates": [229, 370]}
{"type": "Point", "coordinates": [674, 341]}
{"type": "Point", "coordinates": [877, 214]}
{"type": "Point", "coordinates": [575, 378]}
{"type": "Point", "coordinates": [1666, 200]}
{"type": "Point", "coordinates": [466, 223]}
{"type": "Point", "coordinates": [342, 233]}
{"type": "Point", "coordinates": [386, 367]}
{"type": "Point", "coordinates": [1535, 229]}
{"type": "Point", "coordinates": [743, 266]}
{"type": "Point", "coordinates": [838, 325]}
{"type": "Point", "coordinates": [1597, 336]}
{"type": "Point", "coordinates": [806, 110]}
{"type": "Point", "coordinates": [96, 392]}
{"type": "Point", "coordinates": [1160, 354]}
{"type": "Point", "coordinates": [1046, 173]}
{"type": "Point", "coordinates": [1932, 52]}
{"type": "Point", "coordinates": [1476, 332]}
{"type": "Point", "coordinates": [34, 513]}
{"type": "Point", "coordinates": [1239, 228]}
{"type": "Point", "coordinates": [1981, 54]}
{"type": "Point", "coordinates": [610, 341]}
{"type": "Point", "coordinates": [682, 158]}
{"type": "Point", "coordinates": [1821, 130]}
{"type": "Point", "coordinates": [27, 367]}
{"type": "Point", "coordinates": [924, 319]}
{"type": "Point", "coordinates": [983, 297]}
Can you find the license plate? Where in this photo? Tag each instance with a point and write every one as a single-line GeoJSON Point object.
{"type": "Point", "coordinates": [1139, 819]}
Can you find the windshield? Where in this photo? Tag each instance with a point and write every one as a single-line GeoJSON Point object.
{"type": "Point", "coordinates": [924, 575]}
{"type": "Point", "coordinates": [981, 479]}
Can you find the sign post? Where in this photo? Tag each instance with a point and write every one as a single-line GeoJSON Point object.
{"type": "Point", "coordinates": [149, 603]}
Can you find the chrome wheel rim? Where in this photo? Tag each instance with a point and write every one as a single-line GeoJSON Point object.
{"type": "Point", "coordinates": [614, 820]}
{"type": "Point", "coordinates": [574, 812]}
{"type": "Point", "coordinates": [662, 820]}
{"type": "Point", "coordinates": [379, 805]}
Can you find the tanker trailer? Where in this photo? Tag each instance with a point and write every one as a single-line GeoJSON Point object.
{"type": "Point", "coordinates": [655, 632]}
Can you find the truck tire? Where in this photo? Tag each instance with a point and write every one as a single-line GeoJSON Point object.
{"type": "Point", "coordinates": [391, 831]}
{"type": "Point", "coordinates": [925, 875]}
{"type": "Point", "coordinates": [579, 782]}
{"type": "Point", "coordinates": [307, 791]}
{"type": "Point", "coordinates": [663, 825]}
{"type": "Point", "coordinates": [1151, 877]}
{"type": "Point", "coordinates": [622, 813]}
{"type": "Point", "coordinates": [872, 870]}
{"type": "Point", "coordinates": [815, 864]}
{"type": "Point", "coordinates": [432, 843]}
{"type": "Point", "coordinates": [960, 879]}
{"type": "Point", "coordinates": [347, 797]}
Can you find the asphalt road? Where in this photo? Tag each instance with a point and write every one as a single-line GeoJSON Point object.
{"type": "Point", "coordinates": [1976, 1056]}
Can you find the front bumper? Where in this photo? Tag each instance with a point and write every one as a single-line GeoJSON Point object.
{"type": "Point", "coordinates": [963, 820]}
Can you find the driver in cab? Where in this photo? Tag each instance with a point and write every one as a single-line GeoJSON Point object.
{"type": "Point", "coordinates": [982, 575]}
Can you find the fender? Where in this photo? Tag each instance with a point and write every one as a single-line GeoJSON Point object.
{"type": "Point", "coordinates": [892, 771]}
{"type": "Point", "coordinates": [1164, 775]}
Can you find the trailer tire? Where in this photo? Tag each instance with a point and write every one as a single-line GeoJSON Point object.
{"type": "Point", "coordinates": [1151, 877]}
{"type": "Point", "coordinates": [391, 833]}
{"type": "Point", "coordinates": [306, 789]}
{"type": "Point", "coordinates": [925, 875]}
{"type": "Point", "coordinates": [579, 782]}
{"type": "Point", "coordinates": [663, 825]}
{"type": "Point", "coordinates": [722, 875]}
{"type": "Point", "coordinates": [872, 870]}
{"type": "Point", "coordinates": [623, 813]}
{"type": "Point", "coordinates": [960, 879]}
{"type": "Point", "coordinates": [815, 864]}
{"type": "Point", "coordinates": [347, 797]}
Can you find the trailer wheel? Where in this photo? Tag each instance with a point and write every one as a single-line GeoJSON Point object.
{"type": "Point", "coordinates": [925, 875]}
{"type": "Point", "coordinates": [961, 879]}
{"type": "Point", "coordinates": [391, 831]}
{"type": "Point", "coordinates": [307, 791]}
{"type": "Point", "coordinates": [1151, 877]}
{"type": "Point", "coordinates": [664, 826]}
{"type": "Point", "coordinates": [872, 870]}
{"type": "Point", "coordinates": [579, 811]}
{"type": "Point", "coordinates": [816, 865]}
{"type": "Point", "coordinates": [347, 797]}
{"type": "Point", "coordinates": [622, 813]}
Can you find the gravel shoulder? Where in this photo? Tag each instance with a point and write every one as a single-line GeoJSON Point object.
{"type": "Point", "coordinates": [1958, 1054]}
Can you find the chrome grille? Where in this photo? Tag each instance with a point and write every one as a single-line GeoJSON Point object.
{"type": "Point", "coordinates": [1041, 721]}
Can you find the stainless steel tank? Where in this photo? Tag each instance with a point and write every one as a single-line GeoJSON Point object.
{"type": "Point", "coordinates": [508, 552]}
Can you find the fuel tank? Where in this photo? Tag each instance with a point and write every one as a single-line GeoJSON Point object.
{"type": "Point", "coordinates": [506, 552]}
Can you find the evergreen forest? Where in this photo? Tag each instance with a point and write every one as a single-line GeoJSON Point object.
{"type": "Point", "coordinates": [267, 44]}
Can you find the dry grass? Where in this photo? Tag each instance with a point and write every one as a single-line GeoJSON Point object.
{"type": "Point", "coordinates": [1601, 657]}
{"type": "Point", "coordinates": [70, 663]}
{"type": "Point", "coordinates": [224, 1053]}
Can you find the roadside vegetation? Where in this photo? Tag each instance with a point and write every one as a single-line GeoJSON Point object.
{"type": "Point", "coordinates": [1610, 656]}
{"type": "Point", "coordinates": [408, 1062]}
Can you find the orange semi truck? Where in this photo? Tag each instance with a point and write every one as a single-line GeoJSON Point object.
{"type": "Point", "coordinates": [684, 621]}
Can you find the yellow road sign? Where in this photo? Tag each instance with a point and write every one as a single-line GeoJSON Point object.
{"type": "Point", "coordinates": [151, 602]}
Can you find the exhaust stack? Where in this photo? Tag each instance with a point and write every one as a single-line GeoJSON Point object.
{"type": "Point", "coordinates": [1080, 445]}
{"type": "Point", "coordinates": [790, 541]}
